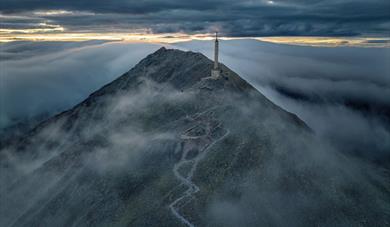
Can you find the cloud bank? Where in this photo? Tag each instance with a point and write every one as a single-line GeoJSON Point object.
{"type": "Point", "coordinates": [44, 78]}
{"type": "Point", "coordinates": [339, 92]}
{"type": "Point", "coordinates": [342, 93]}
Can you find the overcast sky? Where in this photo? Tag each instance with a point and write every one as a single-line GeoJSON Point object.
{"type": "Point", "coordinates": [244, 18]}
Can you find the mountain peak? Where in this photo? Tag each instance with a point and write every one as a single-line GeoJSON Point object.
{"type": "Point", "coordinates": [160, 50]}
{"type": "Point", "coordinates": [168, 133]}
{"type": "Point", "coordinates": [186, 69]}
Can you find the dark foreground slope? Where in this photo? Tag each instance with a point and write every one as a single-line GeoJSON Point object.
{"type": "Point", "coordinates": [165, 145]}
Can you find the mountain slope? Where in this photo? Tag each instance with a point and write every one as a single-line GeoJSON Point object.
{"type": "Point", "coordinates": [165, 145]}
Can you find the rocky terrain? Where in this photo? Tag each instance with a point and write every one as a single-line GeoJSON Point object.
{"type": "Point", "coordinates": [166, 145]}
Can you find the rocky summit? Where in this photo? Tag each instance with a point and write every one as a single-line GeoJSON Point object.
{"type": "Point", "coordinates": [166, 144]}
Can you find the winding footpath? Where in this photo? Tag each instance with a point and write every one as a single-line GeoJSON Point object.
{"type": "Point", "coordinates": [192, 188]}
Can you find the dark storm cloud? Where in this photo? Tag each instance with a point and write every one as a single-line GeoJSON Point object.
{"type": "Point", "coordinates": [233, 18]}
{"type": "Point", "coordinates": [116, 6]}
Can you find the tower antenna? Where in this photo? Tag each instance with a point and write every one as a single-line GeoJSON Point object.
{"type": "Point", "coordinates": [215, 71]}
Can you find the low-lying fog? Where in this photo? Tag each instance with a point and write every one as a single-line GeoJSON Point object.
{"type": "Point", "coordinates": [342, 93]}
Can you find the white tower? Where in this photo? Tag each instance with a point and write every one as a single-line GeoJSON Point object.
{"type": "Point", "coordinates": [215, 72]}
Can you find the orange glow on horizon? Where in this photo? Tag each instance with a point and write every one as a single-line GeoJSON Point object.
{"type": "Point", "coordinates": [6, 36]}
{"type": "Point", "coordinates": [53, 33]}
{"type": "Point", "coordinates": [329, 41]}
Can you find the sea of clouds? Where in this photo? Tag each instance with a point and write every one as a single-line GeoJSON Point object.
{"type": "Point", "coordinates": [342, 93]}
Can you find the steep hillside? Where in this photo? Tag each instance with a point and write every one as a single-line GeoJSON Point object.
{"type": "Point", "coordinates": [166, 145]}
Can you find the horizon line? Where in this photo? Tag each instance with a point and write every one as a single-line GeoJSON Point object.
{"type": "Point", "coordinates": [169, 38]}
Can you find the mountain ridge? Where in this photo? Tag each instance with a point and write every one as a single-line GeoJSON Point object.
{"type": "Point", "coordinates": [165, 144]}
{"type": "Point", "coordinates": [240, 83]}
